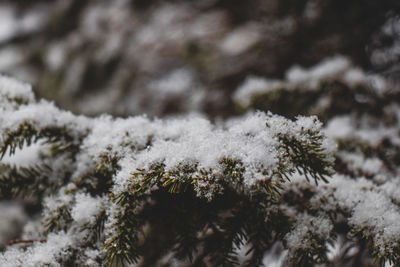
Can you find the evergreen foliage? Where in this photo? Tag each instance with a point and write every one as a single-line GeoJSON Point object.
{"type": "Point", "coordinates": [116, 198]}
{"type": "Point", "coordinates": [182, 191]}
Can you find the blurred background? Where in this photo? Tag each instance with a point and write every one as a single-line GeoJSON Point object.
{"type": "Point", "coordinates": [217, 57]}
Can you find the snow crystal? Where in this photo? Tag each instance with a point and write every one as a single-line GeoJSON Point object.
{"type": "Point", "coordinates": [86, 208]}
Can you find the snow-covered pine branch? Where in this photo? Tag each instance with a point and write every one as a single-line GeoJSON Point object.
{"type": "Point", "coordinates": [98, 181]}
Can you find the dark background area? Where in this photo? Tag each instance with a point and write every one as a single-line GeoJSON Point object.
{"type": "Point", "coordinates": [116, 56]}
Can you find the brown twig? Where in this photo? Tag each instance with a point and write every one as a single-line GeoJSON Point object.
{"type": "Point", "coordinates": [21, 241]}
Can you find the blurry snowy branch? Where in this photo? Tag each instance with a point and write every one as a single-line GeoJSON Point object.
{"type": "Point", "coordinates": [129, 57]}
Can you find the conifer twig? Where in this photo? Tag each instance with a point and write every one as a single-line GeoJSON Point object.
{"type": "Point", "coordinates": [22, 241]}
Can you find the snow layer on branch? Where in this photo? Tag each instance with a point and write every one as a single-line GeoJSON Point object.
{"type": "Point", "coordinates": [86, 208]}
{"type": "Point", "coordinates": [256, 141]}
{"type": "Point", "coordinates": [335, 68]}
{"type": "Point", "coordinates": [324, 70]}
{"type": "Point", "coordinates": [26, 156]}
{"type": "Point", "coordinates": [241, 39]}
{"type": "Point", "coordinates": [357, 161]}
{"type": "Point", "coordinates": [306, 227]}
{"type": "Point", "coordinates": [52, 203]}
{"type": "Point", "coordinates": [253, 86]}
{"type": "Point", "coordinates": [371, 207]}
{"type": "Point", "coordinates": [362, 128]}
{"type": "Point", "coordinates": [41, 114]}
{"type": "Point", "coordinates": [11, 89]}
{"type": "Point", "coordinates": [139, 142]}
{"type": "Point", "coordinates": [252, 139]}
{"type": "Point", "coordinates": [39, 254]}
